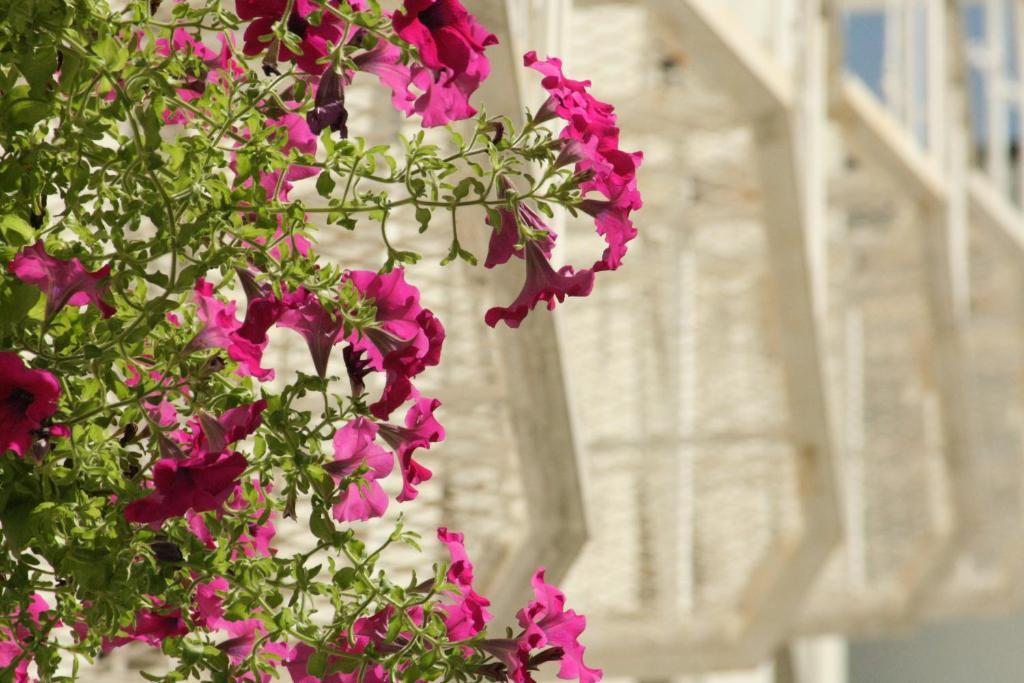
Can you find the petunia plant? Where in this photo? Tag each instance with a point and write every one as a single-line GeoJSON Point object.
{"type": "Point", "coordinates": [153, 234]}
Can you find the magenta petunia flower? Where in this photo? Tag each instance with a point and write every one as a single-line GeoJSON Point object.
{"type": "Point", "coordinates": [421, 429]}
{"type": "Point", "coordinates": [211, 435]}
{"type": "Point", "coordinates": [543, 283]}
{"type": "Point", "coordinates": [63, 282]}
{"type": "Point", "coordinates": [593, 125]}
{"type": "Point", "coordinates": [319, 327]}
{"type": "Point", "coordinates": [299, 137]}
{"type": "Point", "coordinates": [217, 68]}
{"type": "Point", "coordinates": [274, 653]}
{"type": "Point", "coordinates": [406, 340]}
{"type": "Point", "coordinates": [159, 408]}
{"type": "Point", "coordinates": [445, 33]}
{"type": "Point", "coordinates": [384, 61]}
{"type": "Point", "coordinates": [445, 97]}
{"type": "Point", "coordinates": [198, 483]}
{"type": "Point", "coordinates": [438, 97]}
{"type": "Point", "coordinates": [256, 541]}
{"type": "Point", "coordinates": [506, 237]}
{"type": "Point", "coordinates": [293, 244]}
{"type": "Point", "coordinates": [466, 613]}
{"type": "Point", "coordinates": [316, 38]}
{"type": "Point", "coordinates": [365, 631]}
{"type": "Point", "coordinates": [16, 639]}
{"type": "Point", "coordinates": [243, 636]}
{"type": "Point", "coordinates": [222, 330]}
{"type": "Point", "coordinates": [451, 45]}
{"type": "Point", "coordinates": [296, 136]}
{"type": "Point", "coordinates": [152, 626]}
{"type": "Point", "coordinates": [28, 397]}
{"type": "Point", "coordinates": [355, 450]}
{"type": "Point", "coordinates": [547, 624]}
{"type": "Point", "coordinates": [209, 605]}
{"type": "Point", "coordinates": [206, 476]}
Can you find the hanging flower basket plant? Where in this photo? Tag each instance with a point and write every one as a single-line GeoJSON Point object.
{"type": "Point", "coordinates": [153, 235]}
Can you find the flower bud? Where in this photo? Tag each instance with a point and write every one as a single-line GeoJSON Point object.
{"type": "Point", "coordinates": [329, 105]}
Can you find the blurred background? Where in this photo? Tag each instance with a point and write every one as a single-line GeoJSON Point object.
{"type": "Point", "coordinates": [786, 440]}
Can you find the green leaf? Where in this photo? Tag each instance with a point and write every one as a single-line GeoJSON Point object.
{"type": "Point", "coordinates": [38, 68]}
{"type": "Point", "coordinates": [317, 664]}
{"type": "Point", "coordinates": [20, 110]}
{"type": "Point", "coordinates": [16, 231]}
{"type": "Point", "coordinates": [325, 184]}
{"type": "Point", "coordinates": [115, 56]}
{"type": "Point", "coordinates": [423, 218]}
{"type": "Point", "coordinates": [14, 521]}
{"type": "Point", "coordinates": [321, 527]}
{"type": "Point", "coordinates": [151, 126]}
{"type": "Point", "coordinates": [344, 577]}
{"type": "Point", "coordinates": [243, 164]}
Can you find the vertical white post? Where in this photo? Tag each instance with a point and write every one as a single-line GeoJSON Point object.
{"type": "Point", "coordinates": [910, 86]}
{"type": "Point", "coordinates": [1018, 93]}
{"type": "Point", "coordinates": [892, 71]}
{"type": "Point", "coordinates": [937, 80]}
{"type": "Point", "coordinates": [686, 519]}
{"type": "Point", "coordinates": [853, 448]}
{"type": "Point", "coordinates": [996, 81]}
{"type": "Point", "coordinates": [812, 118]}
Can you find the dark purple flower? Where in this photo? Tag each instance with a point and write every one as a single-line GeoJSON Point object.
{"type": "Point", "coordinates": [329, 105]}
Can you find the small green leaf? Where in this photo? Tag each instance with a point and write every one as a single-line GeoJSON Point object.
{"type": "Point", "coordinates": [325, 184]}
{"type": "Point", "coordinates": [344, 577]}
{"type": "Point", "coordinates": [317, 664]}
{"type": "Point", "coordinates": [15, 230]}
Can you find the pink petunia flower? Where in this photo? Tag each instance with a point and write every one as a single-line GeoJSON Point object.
{"type": "Point", "coordinates": [319, 327]}
{"type": "Point", "coordinates": [421, 429]}
{"type": "Point", "coordinates": [354, 450]}
{"type": "Point", "coordinates": [159, 408]}
{"type": "Point", "coordinates": [198, 483]}
{"type": "Point", "coordinates": [213, 436]}
{"type": "Point", "coordinates": [28, 397]}
{"type": "Point", "coordinates": [63, 282]}
{"type": "Point", "coordinates": [543, 283]}
{"type": "Point", "coordinates": [384, 61]}
{"type": "Point", "coordinates": [451, 45]}
{"type": "Point", "coordinates": [299, 137]}
{"type": "Point", "coordinates": [547, 624]}
{"type": "Point", "coordinates": [316, 38]}
{"type": "Point", "coordinates": [445, 33]}
{"type": "Point", "coordinates": [256, 541]}
{"type": "Point", "coordinates": [209, 605]}
{"type": "Point", "coordinates": [216, 68]}
{"type": "Point", "coordinates": [151, 626]}
{"type": "Point", "coordinates": [438, 97]}
{"type": "Point", "coordinates": [365, 631]}
{"type": "Point", "coordinates": [274, 653]}
{"type": "Point", "coordinates": [203, 479]}
{"type": "Point", "coordinates": [506, 237]}
{"type": "Point", "coordinates": [593, 125]}
{"type": "Point", "coordinates": [222, 330]}
{"type": "Point", "coordinates": [406, 340]}
{"type": "Point", "coordinates": [16, 640]}
{"type": "Point", "coordinates": [466, 613]}
{"type": "Point", "coordinates": [243, 635]}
